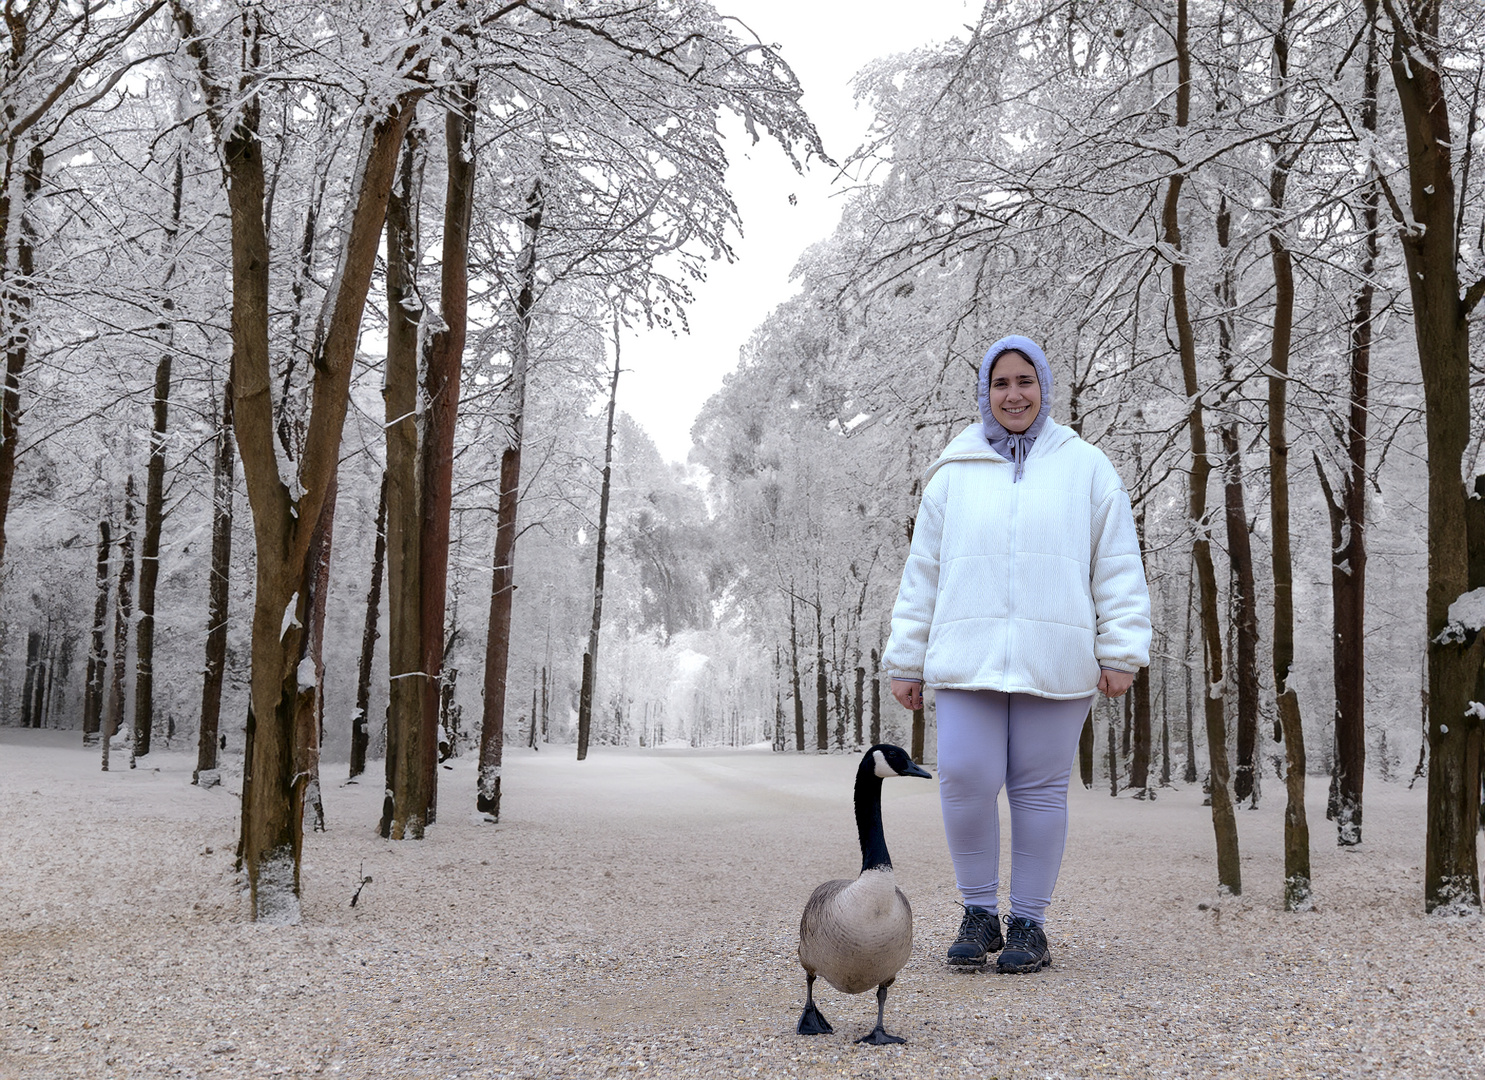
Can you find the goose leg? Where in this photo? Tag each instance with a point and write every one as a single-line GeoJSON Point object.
{"type": "Point", "coordinates": [810, 1021]}
{"type": "Point", "coordinates": [879, 1036]}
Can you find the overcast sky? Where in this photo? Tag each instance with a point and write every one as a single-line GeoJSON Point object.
{"type": "Point", "coordinates": [667, 378]}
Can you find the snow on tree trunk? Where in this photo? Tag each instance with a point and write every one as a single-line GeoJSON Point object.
{"type": "Point", "coordinates": [98, 642]}
{"type": "Point", "coordinates": [590, 665]}
{"type": "Point", "coordinates": [1441, 310]}
{"type": "Point", "coordinates": [123, 615]}
{"type": "Point", "coordinates": [149, 561]}
{"type": "Point", "coordinates": [408, 796]}
{"type": "Point", "coordinates": [1224, 824]}
{"type": "Point", "coordinates": [502, 582]}
{"type": "Point", "coordinates": [360, 729]}
{"type": "Point", "coordinates": [219, 597]}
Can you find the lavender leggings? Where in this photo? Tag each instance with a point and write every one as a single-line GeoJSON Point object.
{"type": "Point", "coordinates": [989, 740]}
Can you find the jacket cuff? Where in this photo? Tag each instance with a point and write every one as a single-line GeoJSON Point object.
{"type": "Point", "coordinates": [1114, 667]}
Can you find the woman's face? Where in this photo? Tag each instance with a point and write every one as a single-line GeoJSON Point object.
{"type": "Point", "coordinates": [1015, 392]}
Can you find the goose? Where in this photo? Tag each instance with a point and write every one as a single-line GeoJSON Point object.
{"type": "Point", "coordinates": [858, 934]}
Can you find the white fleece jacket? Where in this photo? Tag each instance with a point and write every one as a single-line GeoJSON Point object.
{"type": "Point", "coordinates": [1025, 588]}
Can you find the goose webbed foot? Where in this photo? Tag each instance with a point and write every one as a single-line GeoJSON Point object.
{"type": "Point", "coordinates": [879, 1036]}
{"type": "Point", "coordinates": [810, 1021]}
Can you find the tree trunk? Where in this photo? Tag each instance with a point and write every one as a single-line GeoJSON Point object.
{"type": "Point", "coordinates": [98, 649]}
{"type": "Point", "coordinates": [1440, 322]}
{"type": "Point", "coordinates": [284, 519]}
{"type": "Point", "coordinates": [822, 683]}
{"type": "Point", "coordinates": [794, 671]}
{"type": "Point", "coordinates": [1348, 513]}
{"type": "Point", "coordinates": [149, 563]}
{"type": "Point", "coordinates": [1297, 890]}
{"type": "Point", "coordinates": [309, 716]}
{"type": "Point", "coordinates": [1224, 824]}
{"type": "Point", "coordinates": [122, 616]}
{"type": "Point", "coordinates": [28, 685]}
{"type": "Point", "coordinates": [1139, 764]}
{"type": "Point", "coordinates": [590, 668]}
{"type": "Point", "coordinates": [876, 698]}
{"type": "Point", "coordinates": [408, 799]}
{"type": "Point", "coordinates": [441, 381]}
{"type": "Point", "coordinates": [856, 707]}
{"type": "Point", "coordinates": [1244, 602]}
{"type": "Point", "coordinates": [219, 595]}
{"type": "Point", "coordinates": [1189, 775]}
{"type": "Point", "coordinates": [16, 300]}
{"type": "Point", "coordinates": [502, 582]}
{"type": "Point", "coordinates": [360, 728]}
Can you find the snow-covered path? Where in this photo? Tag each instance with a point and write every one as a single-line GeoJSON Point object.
{"type": "Point", "coordinates": [637, 914]}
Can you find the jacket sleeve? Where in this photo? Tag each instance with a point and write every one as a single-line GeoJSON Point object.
{"type": "Point", "coordinates": [1121, 600]}
{"type": "Point", "coordinates": [912, 615]}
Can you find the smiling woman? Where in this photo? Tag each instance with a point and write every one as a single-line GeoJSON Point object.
{"type": "Point", "coordinates": [1024, 592]}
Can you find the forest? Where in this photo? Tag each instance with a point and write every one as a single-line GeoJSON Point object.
{"type": "Point", "coordinates": [311, 462]}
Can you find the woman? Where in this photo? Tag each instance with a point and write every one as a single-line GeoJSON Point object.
{"type": "Point", "coordinates": [1023, 593]}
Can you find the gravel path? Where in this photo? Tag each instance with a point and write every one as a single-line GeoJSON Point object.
{"type": "Point", "coordinates": [636, 914]}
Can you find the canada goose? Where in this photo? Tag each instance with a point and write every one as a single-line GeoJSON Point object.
{"type": "Point", "coordinates": [858, 934]}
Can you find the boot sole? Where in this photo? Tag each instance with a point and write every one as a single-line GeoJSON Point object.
{"type": "Point", "coordinates": [1023, 969]}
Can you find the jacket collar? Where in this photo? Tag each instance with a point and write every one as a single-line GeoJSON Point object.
{"type": "Point", "coordinates": [971, 445]}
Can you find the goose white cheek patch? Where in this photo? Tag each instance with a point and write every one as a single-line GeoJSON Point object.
{"type": "Point", "coordinates": [882, 768]}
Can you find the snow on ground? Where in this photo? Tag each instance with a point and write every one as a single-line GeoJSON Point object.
{"type": "Point", "coordinates": [636, 914]}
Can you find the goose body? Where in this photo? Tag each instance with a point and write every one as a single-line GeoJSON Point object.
{"type": "Point", "coordinates": [857, 933]}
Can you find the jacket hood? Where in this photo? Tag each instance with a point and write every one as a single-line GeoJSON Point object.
{"type": "Point", "coordinates": [972, 445]}
{"type": "Point", "coordinates": [1032, 351]}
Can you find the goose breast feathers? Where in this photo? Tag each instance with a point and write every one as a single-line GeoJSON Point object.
{"type": "Point", "coordinates": [857, 934]}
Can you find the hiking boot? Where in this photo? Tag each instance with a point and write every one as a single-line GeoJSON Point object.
{"type": "Point", "coordinates": [979, 935]}
{"type": "Point", "coordinates": [1025, 947]}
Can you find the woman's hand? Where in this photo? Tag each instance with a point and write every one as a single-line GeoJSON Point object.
{"type": "Point", "coordinates": [909, 694]}
{"type": "Point", "coordinates": [1112, 683]}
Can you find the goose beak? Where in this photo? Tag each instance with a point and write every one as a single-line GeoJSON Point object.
{"type": "Point", "coordinates": [914, 769]}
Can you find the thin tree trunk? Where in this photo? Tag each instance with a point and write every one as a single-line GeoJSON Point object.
{"type": "Point", "coordinates": [360, 727]}
{"type": "Point", "coordinates": [1242, 595]}
{"type": "Point", "coordinates": [590, 668]}
{"type": "Point", "coordinates": [98, 649]}
{"type": "Point", "coordinates": [1139, 764]}
{"type": "Point", "coordinates": [17, 302]}
{"type": "Point", "coordinates": [149, 563]}
{"type": "Point", "coordinates": [876, 697]}
{"type": "Point", "coordinates": [122, 616]}
{"type": "Point", "coordinates": [28, 685]}
{"type": "Point", "coordinates": [1189, 775]}
{"type": "Point", "coordinates": [309, 718]}
{"type": "Point", "coordinates": [1348, 513]}
{"type": "Point", "coordinates": [502, 582]}
{"type": "Point", "coordinates": [219, 594]}
{"type": "Point", "coordinates": [1113, 751]}
{"type": "Point", "coordinates": [441, 393]}
{"type": "Point", "coordinates": [1441, 312]}
{"type": "Point", "coordinates": [408, 798]}
{"type": "Point", "coordinates": [1297, 889]}
{"type": "Point", "coordinates": [822, 682]}
{"type": "Point", "coordinates": [856, 707]}
{"type": "Point", "coordinates": [794, 671]}
{"type": "Point", "coordinates": [1224, 824]}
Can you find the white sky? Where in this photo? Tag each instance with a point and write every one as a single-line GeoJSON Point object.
{"type": "Point", "coordinates": [667, 378]}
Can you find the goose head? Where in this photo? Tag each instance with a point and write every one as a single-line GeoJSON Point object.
{"type": "Point", "coordinates": [886, 759]}
{"type": "Point", "coordinates": [878, 763]}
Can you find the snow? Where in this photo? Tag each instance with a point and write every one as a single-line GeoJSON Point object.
{"type": "Point", "coordinates": [1466, 616]}
{"type": "Point", "coordinates": [305, 674]}
{"type": "Point", "coordinates": [291, 616]}
{"type": "Point", "coordinates": [644, 905]}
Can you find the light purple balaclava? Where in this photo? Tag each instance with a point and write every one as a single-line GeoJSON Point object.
{"type": "Point", "coordinates": [1011, 446]}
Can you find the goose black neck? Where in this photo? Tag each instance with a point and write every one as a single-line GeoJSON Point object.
{"type": "Point", "coordinates": [869, 818]}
